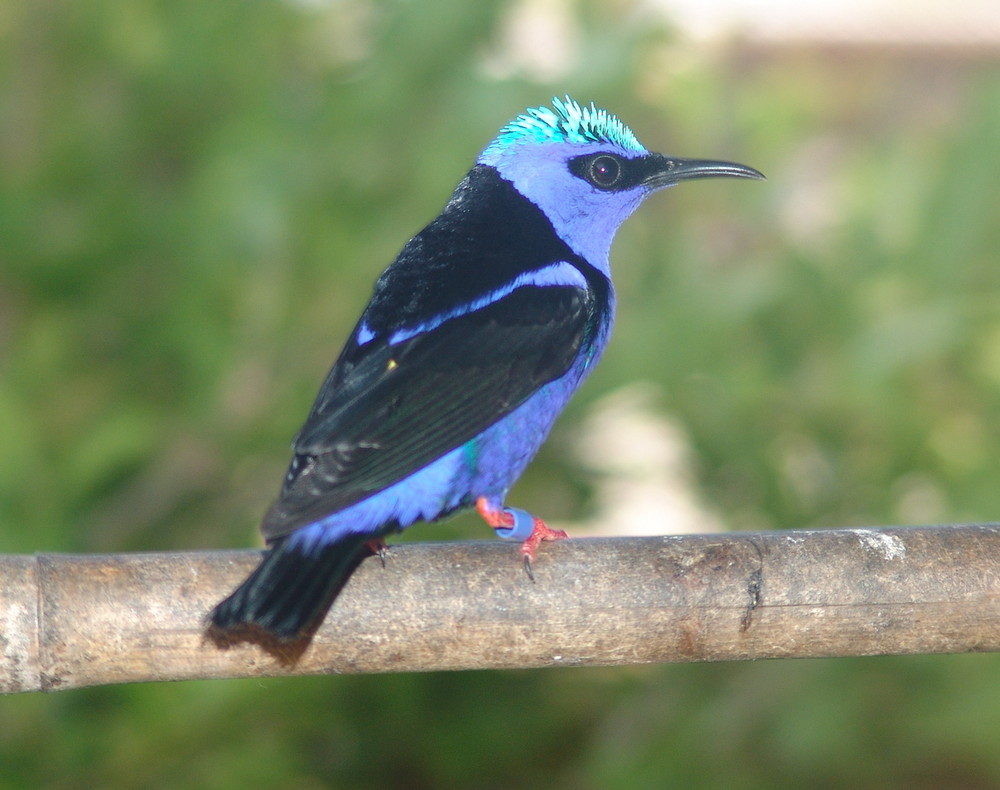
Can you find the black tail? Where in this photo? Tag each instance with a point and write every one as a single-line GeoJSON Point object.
{"type": "Point", "coordinates": [290, 590]}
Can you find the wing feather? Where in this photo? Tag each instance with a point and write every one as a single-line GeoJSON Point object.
{"type": "Point", "coordinates": [387, 411]}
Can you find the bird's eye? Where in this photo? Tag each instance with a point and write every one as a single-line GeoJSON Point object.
{"type": "Point", "coordinates": [605, 171]}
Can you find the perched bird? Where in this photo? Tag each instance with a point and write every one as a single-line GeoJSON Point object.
{"type": "Point", "coordinates": [474, 340]}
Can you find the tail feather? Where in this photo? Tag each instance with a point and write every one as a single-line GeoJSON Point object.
{"type": "Point", "coordinates": [291, 589]}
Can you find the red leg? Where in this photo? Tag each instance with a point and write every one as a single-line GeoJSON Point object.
{"type": "Point", "coordinates": [493, 518]}
{"type": "Point", "coordinates": [507, 519]}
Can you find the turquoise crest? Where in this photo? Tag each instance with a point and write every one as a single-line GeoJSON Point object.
{"type": "Point", "coordinates": [567, 122]}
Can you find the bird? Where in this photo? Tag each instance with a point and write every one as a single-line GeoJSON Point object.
{"type": "Point", "coordinates": [474, 339]}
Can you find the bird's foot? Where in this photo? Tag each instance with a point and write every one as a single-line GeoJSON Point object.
{"type": "Point", "coordinates": [512, 523]}
{"type": "Point", "coordinates": [540, 531]}
{"type": "Point", "coordinates": [378, 547]}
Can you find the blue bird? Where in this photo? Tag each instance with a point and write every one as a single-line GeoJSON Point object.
{"type": "Point", "coordinates": [474, 340]}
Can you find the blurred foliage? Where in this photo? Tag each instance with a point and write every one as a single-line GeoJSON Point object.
{"type": "Point", "coordinates": [194, 201]}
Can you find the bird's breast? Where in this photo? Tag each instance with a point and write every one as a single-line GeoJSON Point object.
{"type": "Point", "coordinates": [497, 457]}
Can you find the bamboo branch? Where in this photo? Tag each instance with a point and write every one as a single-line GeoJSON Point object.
{"type": "Point", "coordinates": [70, 621]}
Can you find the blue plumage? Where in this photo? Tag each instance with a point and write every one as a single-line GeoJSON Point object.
{"type": "Point", "coordinates": [473, 342]}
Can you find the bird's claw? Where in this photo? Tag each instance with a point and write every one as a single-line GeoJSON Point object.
{"type": "Point", "coordinates": [527, 568]}
{"type": "Point", "coordinates": [379, 547]}
{"type": "Point", "coordinates": [514, 524]}
{"type": "Point", "coordinates": [540, 532]}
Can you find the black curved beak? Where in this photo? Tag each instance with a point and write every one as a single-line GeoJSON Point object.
{"type": "Point", "coordinates": [667, 171]}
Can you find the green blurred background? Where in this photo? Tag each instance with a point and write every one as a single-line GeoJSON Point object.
{"type": "Point", "coordinates": [194, 201]}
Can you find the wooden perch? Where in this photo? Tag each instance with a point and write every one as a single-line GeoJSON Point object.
{"type": "Point", "coordinates": [70, 621]}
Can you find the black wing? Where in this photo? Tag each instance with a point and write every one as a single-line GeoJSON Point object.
{"type": "Point", "coordinates": [387, 411]}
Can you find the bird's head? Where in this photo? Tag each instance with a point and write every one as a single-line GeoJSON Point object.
{"type": "Point", "coordinates": [587, 171]}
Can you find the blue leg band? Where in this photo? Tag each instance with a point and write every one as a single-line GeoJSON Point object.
{"type": "Point", "coordinates": [524, 525]}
